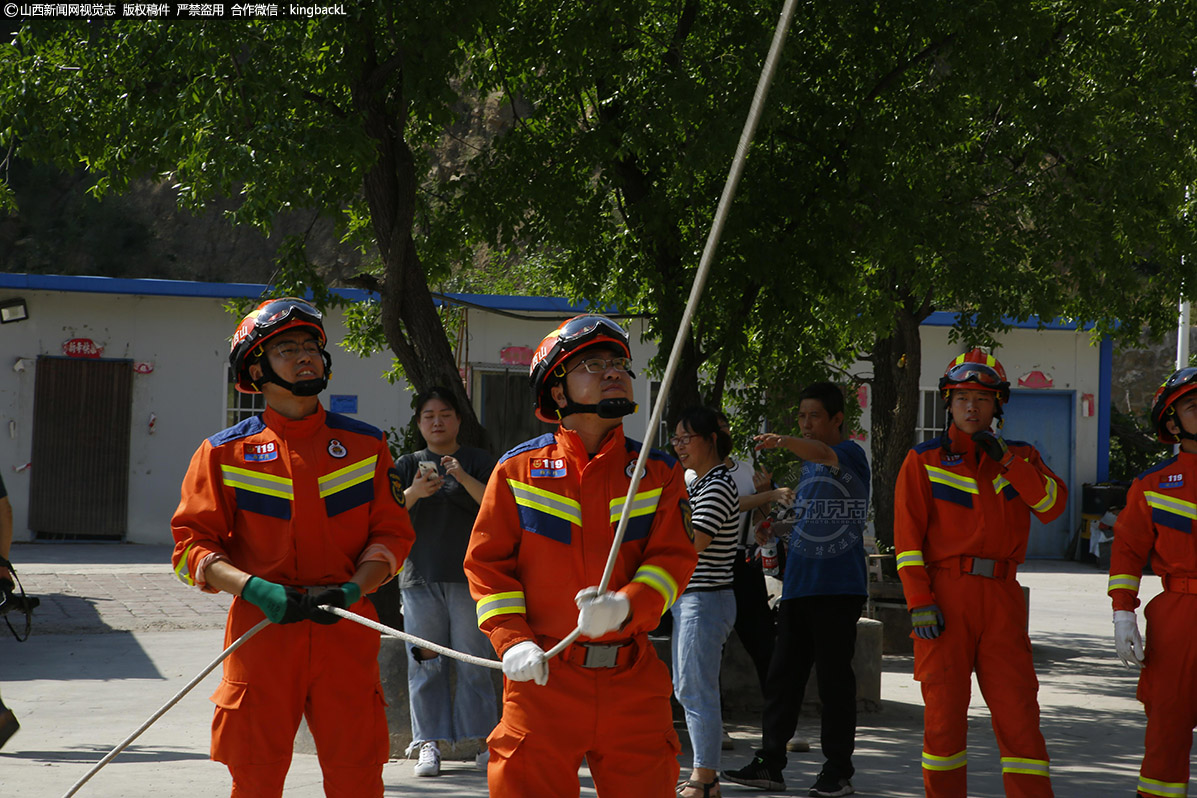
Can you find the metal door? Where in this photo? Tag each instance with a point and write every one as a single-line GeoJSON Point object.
{"type": "Point", "coordinates": [1044, 419]}
{"type": "Point", "coordinates": [82, 412]}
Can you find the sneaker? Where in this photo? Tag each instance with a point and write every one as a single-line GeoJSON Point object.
{"type": "Point", "coordinates": [8, 726]}
{"type": "Point", "coordinates": [828, 787]}
{"type": "Point", "coordinates": [429, 762]}
{"type": "Point", "coordinates": [727, 743]}
{"type": "Point", "coordinates": [757, 774]}
{"type": "Point", "coordinates": [482, 760]}
{"type": "Point", "coordinates": [798, 745]}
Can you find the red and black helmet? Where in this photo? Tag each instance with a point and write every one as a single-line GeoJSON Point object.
{"type": "Point", "coordinates": [978, 370]}
{"type": "Point", "coordinates": [1162, 404]}
{"type": "Point", "coordinates": [571, 337]}
{"type": "Point", "coordinates": [263, 323]}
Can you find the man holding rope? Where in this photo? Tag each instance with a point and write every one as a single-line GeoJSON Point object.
{"type": "Point", "coordinates": [537, 553]}
{"type": "Point", "coordinates": [290, 510]}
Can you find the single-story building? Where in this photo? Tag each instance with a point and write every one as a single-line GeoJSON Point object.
{"type": "Point", "coordinates": [107, 387]}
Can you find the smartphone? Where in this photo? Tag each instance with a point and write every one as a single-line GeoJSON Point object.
{"type": "Point", "coordinates": [428, 469]}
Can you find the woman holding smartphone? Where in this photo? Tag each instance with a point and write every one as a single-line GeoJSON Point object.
{"type": "Point", "coordinates": [445, 486]}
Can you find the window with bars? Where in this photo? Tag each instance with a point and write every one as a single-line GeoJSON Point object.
{"type": "Point", "coordinates": [240, 406]}
{"type": "Point", "coordinates": [932, 415]}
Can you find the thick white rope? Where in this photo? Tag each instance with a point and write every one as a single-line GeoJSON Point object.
{"type": "Point", "coordinates": [700, 281]}
{"type": "Point", "coordinates": [388, 631]}
{"type": "Point", "coordinates": [162, 711]}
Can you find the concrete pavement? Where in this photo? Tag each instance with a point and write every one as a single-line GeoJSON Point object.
{"type": "Point", "coordinates": [117, 636]}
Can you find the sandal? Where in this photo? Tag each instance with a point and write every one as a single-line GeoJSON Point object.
{"type": "Point", "coordinates": [710, 789]}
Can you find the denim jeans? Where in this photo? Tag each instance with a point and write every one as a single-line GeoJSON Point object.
{"type": "Point", "coordinates": [702, 621]}
{"type": "Point", "coordinates": [444, 613]}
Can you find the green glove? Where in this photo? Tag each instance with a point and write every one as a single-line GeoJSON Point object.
{"type": "Point", "coordinates": [281, 604]}
{"type": "Point", "coordinates": [342, 597]}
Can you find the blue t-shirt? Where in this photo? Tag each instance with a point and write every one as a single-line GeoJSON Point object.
{"type": "Point", "coordinates": [826, 544]}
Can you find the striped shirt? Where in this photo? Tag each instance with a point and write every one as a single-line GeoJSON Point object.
{"type": "Point", "coordinates": [715, 504]}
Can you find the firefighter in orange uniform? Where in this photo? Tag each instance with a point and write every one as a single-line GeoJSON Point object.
{"type": "Point", "coordinates": [537, 553]}
{"type": "Point", "coordinates": [290, 510]}
{"type": "Point", "coordinates": [1161, 507]}
{"type": "Point", "coordinates": [962, 516]}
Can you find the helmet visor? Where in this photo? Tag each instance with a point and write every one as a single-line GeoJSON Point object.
{"type": "Point", "coordinates": [974, 372]}
{"type": "Point", "coordinates": [1182, 377]}
{"type": "Point", "coordinates": [586, 325]}
{"type": "Point", "coordinates": [281, 310]}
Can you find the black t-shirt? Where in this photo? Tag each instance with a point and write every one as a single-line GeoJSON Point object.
{"type": "Point", "coordinates": [3, 492]}
{"type": "Point", "coordinates": [444, 520]}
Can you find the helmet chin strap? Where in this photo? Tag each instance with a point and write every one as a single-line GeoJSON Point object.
{"type": "Point", "coordinates": [300, 387]}
{"type": "Point", "coordinates": [605, 408]}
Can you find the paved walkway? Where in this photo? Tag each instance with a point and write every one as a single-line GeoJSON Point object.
{"type": "Point", "coordinates": [117, 636]}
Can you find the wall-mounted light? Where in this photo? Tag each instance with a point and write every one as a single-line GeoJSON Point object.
{"type": "Point", "coordinates": [13, 310]}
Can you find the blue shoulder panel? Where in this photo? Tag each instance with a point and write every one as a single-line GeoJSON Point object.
{"type": "Point", "coordinates": [634, 446]}
{"type": "Point", "coordinates": [536, 443]}
{"type": "Point", "coordinates": [250, 426]}
{"type": "Point", "coordinates": [338, 421]}
{"type": "Point", "coordinates": [928, 445]}
{"type": "Point", "coordinates": [1018, 443]}
{"type": "Point", "coordinates": [1158, 466]}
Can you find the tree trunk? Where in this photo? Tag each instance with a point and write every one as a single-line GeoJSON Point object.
{"type": "Point", "coordinates": [897, 363]}
{"type": "Point", "coordinates": [410, 322]}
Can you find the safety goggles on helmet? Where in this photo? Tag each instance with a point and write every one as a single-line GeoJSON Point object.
{"type": "Point", "coordinates": [1163, 404]}
{"type": "Point", "coordinates": [974, 372]}
{"type": "Point", "coordinates": [281, 311]}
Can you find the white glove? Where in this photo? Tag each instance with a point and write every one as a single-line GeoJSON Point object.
{"type": "Point", "coordinates": [597, 614]}
{"type": "Point", "coordinates": [1127, 640]}
{"type": "Point", "coordinates": [525, 662]}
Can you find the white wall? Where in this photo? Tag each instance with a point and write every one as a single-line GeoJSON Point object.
{"type": "Point", "coordinates": [186, 340]}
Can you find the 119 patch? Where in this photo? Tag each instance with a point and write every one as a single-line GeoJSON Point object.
{"type": "Point", "coordinates": [397, 487]}
{"type": "Point", "coordinates": [260, 452]}
{"type": "Point", "coordinates": [548, 467]}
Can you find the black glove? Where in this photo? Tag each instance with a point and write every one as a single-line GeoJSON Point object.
{"type": "Point", "coordinates": [342, 597]}
{"type": "Point", "coordinates": [280, 604]}
{"type": "Point", "coordinates": [994, 447]}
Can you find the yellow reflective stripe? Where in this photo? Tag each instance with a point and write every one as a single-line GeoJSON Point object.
{"type": "Point", "coordinates": [512, 602]}
{"type": "Point", "coordinates": [643, 503]}
{"type": "Point", "coordinates": [933, 762]}
{"type": "Point", "coordinates": [659, 580]}
{"type": "Point", "coordinates": [1162, 501]}
{"type": "Point", "coordinates": [912, 557]}
{"type": "Point", "coordinates": [257, 482]}
{"type": "Point", "coordinates": [1029, 767]}
{"type": "Point", "coordinates": [999, 483]}
{"type": "Point", "coordinates": [944, 477]}
{"type": "Point", "coordinates": [1045, 504]}
{"type": "Point", "coordinates": [1169, 789]}
{"type": "Point", "coordinates": [546, 501]}
{"type": "Point", "coordinates": [1123, 582]}
{"type": "Point", "coordinates": [182, 571]}
{"type": "Point", "coordinates": [347, 477]}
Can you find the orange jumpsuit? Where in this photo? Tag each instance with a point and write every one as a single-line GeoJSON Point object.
{"type": "Point", "coordinates": [543, 533]}
{"type": "Point", "coordinates": [300, 503]}
{"type": "Point", "coordinates": [1158, 522]}
{"type": "Point", "coordinates": [958, 515]}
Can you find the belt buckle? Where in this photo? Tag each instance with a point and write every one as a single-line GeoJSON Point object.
{"type": "Point", "coordinates": [601, 655]}
{"type": "Point", "coordinates": [982, 567]}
